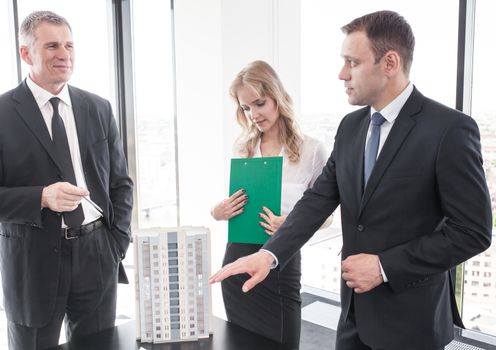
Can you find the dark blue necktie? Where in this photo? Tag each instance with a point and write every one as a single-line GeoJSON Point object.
{"type": "Point", "coordinates": [372, 145]}
{"type": "Point", "coordinates": [59, 137]}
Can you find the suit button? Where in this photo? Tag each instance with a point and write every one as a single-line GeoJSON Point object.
{"type": "Point", "coordinates": [55, 250]}
{"type": "Point", "coordinates": [360, 228]}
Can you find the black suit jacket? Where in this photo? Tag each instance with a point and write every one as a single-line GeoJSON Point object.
{"type": "Point", "coordinates": [425, 209]}
{"type": "Point", "coordinates": [30, 237]}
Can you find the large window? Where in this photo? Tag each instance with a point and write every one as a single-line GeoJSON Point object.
{"type": "Point", "coordinates": [324, 102]}
{"type": "Point", "coordinates": [8, 70]}
{"type": "Point", "coordinates": [154, 121]}
{"type": "Point", "coordinates": [479, 287]}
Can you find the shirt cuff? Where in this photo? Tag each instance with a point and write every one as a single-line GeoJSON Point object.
{"type": "Point", "coordinates": [384, 277]}
{"type": "Point", "coordinates": [275, 262]}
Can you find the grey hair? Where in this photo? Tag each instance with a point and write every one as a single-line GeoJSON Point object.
{"type": "Point", "coordinates": [32, 21]}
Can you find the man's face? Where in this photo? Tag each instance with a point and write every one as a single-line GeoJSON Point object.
{"type": "Point", "coordinates": [51, 56]}
{"type": "Point", "coordinates": [364, 79]}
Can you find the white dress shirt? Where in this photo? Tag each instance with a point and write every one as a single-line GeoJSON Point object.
{"type": "Point", "coordinates": [42, 98]}
{"type": "Point", "coordinates": [390, 113]}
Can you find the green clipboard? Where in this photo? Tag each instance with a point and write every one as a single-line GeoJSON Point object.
{"type": "Point", "coordinates": [261, 178]}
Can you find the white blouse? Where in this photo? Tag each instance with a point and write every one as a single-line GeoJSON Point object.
{"type": "Point", "coordinates": [298, 177]}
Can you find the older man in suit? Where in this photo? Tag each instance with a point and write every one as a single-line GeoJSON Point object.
{"type": "Point", "coordinates": [65, 196]}
{"type": "Point", "coordinates": [407, 172]}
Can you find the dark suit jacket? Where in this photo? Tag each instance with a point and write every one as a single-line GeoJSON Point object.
{"type": "Point", "coordinates": [30, 237]}
{"type": "Point", "coordinates": [425, 209]}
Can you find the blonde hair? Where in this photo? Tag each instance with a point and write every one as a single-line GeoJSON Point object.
{"type": "Point", "coordinates": [263, 80]}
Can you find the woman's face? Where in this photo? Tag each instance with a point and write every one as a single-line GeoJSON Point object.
{"type": "Point", "coordinates": [262, 112]}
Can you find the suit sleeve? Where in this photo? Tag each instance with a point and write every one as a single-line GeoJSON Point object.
{"type": "Point", "coordinates": [465, 203]}
{"type": "Point", "coordinates": [19, 205]}
{"type": "Point", "coordinates": [309, 213]}
{"type": "Point", "coordinates": [120, 189]}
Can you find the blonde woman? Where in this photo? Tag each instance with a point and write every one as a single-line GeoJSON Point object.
{"type": "Point", "coordinates": [265, 114]}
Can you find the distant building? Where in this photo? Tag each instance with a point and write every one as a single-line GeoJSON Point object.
{"type": "Point", "coordinates": [321, 261]}
{"type": "Point", "coordinates": [479, 292]}
{"type": "Point", "coordinates": [173, 299]}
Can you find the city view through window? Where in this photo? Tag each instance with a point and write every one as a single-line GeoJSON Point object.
{"type": "Point", "coordinates": [479, 280]}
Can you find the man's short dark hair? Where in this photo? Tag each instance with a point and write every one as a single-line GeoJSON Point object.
{"type": "Point", "coordinates": [386, 31]}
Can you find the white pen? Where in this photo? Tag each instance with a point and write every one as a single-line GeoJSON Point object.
{"type": "Point", "coordinates": [94, 204]}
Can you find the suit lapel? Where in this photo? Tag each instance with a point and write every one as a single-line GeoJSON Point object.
{"type": "Point", "coordinates": [358, 150]}
{"type": "Point", "coordinates": [399, 132]}
{"type": "Point", "coordinates": [30, 113]}
{"type": "Point", "coordinates": [81, 115]}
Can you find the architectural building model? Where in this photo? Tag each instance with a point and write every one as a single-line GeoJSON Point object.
{"type": "Point", "coordinates": [173, 299]}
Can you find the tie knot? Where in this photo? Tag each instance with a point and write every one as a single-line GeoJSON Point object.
{"type": "Point", "coordinates": [55, 102]}
{"type": "Point", "coordinates": [377, 119]}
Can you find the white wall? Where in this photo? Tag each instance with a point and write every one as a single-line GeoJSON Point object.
{"type": "Point", "coordinates": [266, 30]}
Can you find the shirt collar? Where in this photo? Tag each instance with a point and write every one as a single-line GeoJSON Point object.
{"type": "Point", "coordinates": [391, 111]}
{"type": "Point", "coordinates": [42, 96]}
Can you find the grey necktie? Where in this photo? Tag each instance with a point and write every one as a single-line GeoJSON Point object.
{"type": "Point", "coordinates": [372, 145]}
{"type": "Point", "coordinates": [59, 136]}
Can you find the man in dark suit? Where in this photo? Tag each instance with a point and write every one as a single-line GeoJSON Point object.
{"type": "Point", "coordinates": [420, 210]}
{"type": "Point", "coordinates": [65, 196]}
